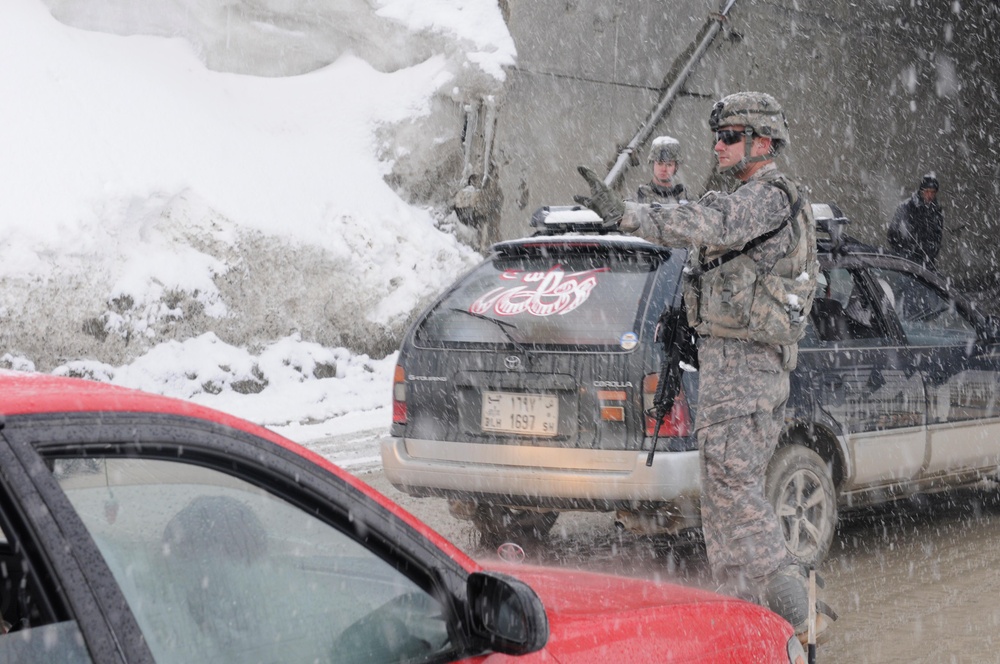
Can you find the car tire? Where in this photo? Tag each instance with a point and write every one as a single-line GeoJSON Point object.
{"type": "Point", "coordinates": [498, 524]}
{"type": "Point", "coordinates": [800, 489]}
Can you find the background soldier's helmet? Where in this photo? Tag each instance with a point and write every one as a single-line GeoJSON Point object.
{"type": "Point", "coordinates": [929, 181]}
{"type": "Point", "coordinates": [758, 111]}
{"type": "Point", "coordinates": [665, 148]}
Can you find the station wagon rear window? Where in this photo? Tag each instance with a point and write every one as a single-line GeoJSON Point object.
{"type": "Point", "coordinates": [546, 296]}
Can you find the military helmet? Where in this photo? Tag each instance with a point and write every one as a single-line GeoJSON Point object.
{"type": "Point", "coordinates": [756, 110]}
{"type": "Point", "coordinates": [665, 148]}
{"type": "Point", "coordinates": [929, 181]}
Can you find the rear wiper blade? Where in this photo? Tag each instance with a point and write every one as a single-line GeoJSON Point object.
{"type": "Point", "coordinates": [502, 324]}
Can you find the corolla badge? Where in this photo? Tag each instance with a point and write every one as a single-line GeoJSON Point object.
{"type": "Point", "coordinates": [512, 362]}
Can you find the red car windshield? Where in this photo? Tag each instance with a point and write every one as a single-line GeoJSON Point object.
{"type": "Point", "coordinates": [545, 296]}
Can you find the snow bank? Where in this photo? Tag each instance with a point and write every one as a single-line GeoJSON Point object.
{"type": "Point", "coordinates": [195, 168]}
{"type": "Point", "coordinates": [236, 204]}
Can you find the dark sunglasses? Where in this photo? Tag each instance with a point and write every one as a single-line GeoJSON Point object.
{"type": "Point", "coordinates": [729, 136]}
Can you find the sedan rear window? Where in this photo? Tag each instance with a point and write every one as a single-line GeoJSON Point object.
{"type": "Point", "coordinates": [545, 296]}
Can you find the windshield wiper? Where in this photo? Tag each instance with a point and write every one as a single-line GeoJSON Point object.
{"type": "Point", "coordinates": [502, 324]}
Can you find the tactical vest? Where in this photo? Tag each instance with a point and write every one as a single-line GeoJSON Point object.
{"type": "Point", "coordinates": [736, 297]}
{"type": "Point", "coordinates": [650, 193]}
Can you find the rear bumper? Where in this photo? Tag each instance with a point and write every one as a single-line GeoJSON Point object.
{"type": "Point", "coordinates": [541, 476]}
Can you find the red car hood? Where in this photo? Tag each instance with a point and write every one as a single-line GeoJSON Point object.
{"type": "Point", "coordinates": [602, 619]}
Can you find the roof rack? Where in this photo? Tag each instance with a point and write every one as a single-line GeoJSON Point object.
{"type": "Point", "coordinates": [561, 219]}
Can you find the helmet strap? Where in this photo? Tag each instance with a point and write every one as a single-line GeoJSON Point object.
{"type": "Point", "coordinates": [747, 145]}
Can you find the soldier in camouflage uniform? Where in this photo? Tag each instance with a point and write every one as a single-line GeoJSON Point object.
{"type": "Point", "coordinates": [665, 158]}
{"type": "Point", "coordinates": [744, 371]}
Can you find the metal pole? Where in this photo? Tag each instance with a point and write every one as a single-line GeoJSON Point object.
{"type": "Point", "coordinates": [811, 636]}
{"type": "Point", "coordinates": [618, 170]}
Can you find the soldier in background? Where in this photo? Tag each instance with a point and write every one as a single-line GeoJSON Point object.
{"type": "Point", "coordinates": [665, 158]}
{"type": "Point", "coordinates": [918, 225]}
{"type": "Point", "coordinates": [761, 234]}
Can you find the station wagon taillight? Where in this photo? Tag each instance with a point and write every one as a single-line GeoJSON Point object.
{"type": "Point", "coordinates": [612, 404]}
{"type": "Point", "coordinates": [675, 423]}
{"type": "Point", "coordinates": [399, 396]}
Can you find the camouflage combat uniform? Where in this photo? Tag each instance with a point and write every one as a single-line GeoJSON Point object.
{"type": "Point", "coordinates": [743, 384]}
{"type": "Point", "coordinates": [654, 193]}
{"type": "Point", "coordinates": [748, 287]}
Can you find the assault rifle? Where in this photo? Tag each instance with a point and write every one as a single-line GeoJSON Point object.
{"type": "Point", "coordinates": [672, 329]}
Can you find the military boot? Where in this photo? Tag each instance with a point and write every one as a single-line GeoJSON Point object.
{"type": "Point", "coordinates": [786, 593]}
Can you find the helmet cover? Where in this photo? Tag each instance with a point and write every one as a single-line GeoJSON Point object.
{"type": "Point", "coordinates": [665, 148]}
{"type": "Point", "coordinates": [757, 110]}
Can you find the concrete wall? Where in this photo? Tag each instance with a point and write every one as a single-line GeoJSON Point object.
{"type": "Point", "coordinates": [876, 93]}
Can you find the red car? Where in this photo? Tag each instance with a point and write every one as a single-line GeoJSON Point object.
{"type": "Point", "coordinates": [138, 528]}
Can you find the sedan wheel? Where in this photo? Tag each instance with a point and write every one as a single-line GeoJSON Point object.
{"type": "Point", "coordinates": [497, 524]}
{"type": "Point", "coordinates": [800, 489]}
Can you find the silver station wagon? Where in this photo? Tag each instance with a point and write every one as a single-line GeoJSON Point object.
{"type": "Point", "coordinates": [528, 388]}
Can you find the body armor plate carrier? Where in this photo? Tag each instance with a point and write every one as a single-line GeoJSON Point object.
{"type": "Point", "coordinates": [736, 297]}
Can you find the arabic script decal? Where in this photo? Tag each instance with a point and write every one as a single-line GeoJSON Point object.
{"type": "Point", "coordinates": [548, 293]}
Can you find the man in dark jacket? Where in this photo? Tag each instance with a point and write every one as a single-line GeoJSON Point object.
{"type": "Point", "coordinates": [918, 225]}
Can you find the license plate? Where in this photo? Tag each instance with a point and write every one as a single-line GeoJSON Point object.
{"type": "Point", "coordinates": [516, 412]}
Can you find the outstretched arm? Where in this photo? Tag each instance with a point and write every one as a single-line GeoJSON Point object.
{"type": "Point", "coordinates": [724, 221]}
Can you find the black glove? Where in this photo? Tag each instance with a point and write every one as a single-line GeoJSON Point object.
{"type": "Point", "coordinates": [606, 203]}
